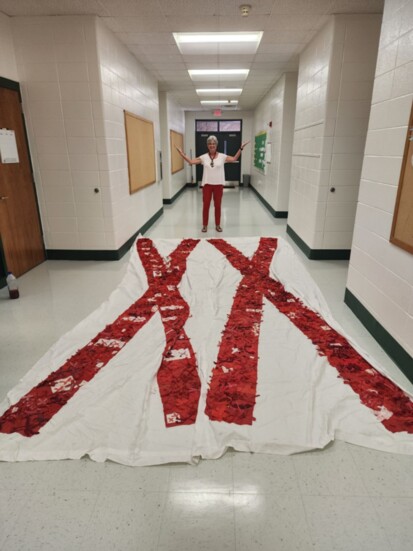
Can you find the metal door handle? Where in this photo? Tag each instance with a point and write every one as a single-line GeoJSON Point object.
{"type": "Point", "coordinates": [3, 198]}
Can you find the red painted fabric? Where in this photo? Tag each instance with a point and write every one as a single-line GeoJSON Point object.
{"type": "Point", "coordinates": [233, 386]}
{"type": "Point", "coordinates": [178, 380]}
{"type": "Point", "coordinates": [374, 389]}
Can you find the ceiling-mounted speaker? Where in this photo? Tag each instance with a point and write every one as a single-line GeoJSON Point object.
{"type": "Point", "coordinates": [245, 10]}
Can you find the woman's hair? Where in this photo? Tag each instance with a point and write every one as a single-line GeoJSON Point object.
{"type": "Point", "coordinates": [212, 139]}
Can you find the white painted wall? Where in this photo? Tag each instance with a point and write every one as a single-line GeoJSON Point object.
{"type": "Point", "coordinates": [381, 274]}
{"type": "Point", "coordinates": [76, 80]}
{"type": "Point", "coordinates": [278, 107]}
{"type": "Point", "coordinates": [309, 175]}
{"type": "Point", "coordinates": [335, 84]}
{"type": "Point", "coordinates": [126, 86]}
{"type": "Point", "coordinates": [247, 121]}
{"type": "Point", "coordinates": [8, 67]}
{"type": "Point", "coordinates": [172, 117]}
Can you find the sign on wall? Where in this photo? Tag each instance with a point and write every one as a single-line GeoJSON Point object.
{"type": "Point", "coordinates": [8, 146]}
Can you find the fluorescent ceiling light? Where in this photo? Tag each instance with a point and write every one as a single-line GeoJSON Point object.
{"type": "Point", "coordinates": [219, 102]}
{"type": "Point", "coordinates": [195, 72]}
{"type": "Point", "coordinates": [202, 38]}
{"type": "Point", "coordinates": [207, 91]}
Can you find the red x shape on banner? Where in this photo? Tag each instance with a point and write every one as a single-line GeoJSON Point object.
{"type": "Point", "coordinates": [392, 406]}
{"type": "Point", "coordinates": [42, 402]}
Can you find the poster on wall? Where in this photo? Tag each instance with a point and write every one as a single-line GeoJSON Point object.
{"type": "Point", "coordinates": [259, 151]}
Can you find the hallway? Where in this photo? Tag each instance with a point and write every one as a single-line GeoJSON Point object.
{"type": "Point", "coordinates": [341, 498]}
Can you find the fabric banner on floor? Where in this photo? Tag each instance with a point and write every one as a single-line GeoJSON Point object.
{"type": "Point", "coordinates": [206, 344]}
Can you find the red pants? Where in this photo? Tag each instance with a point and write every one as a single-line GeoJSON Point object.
{"type": "Point", "coordinates": [208, 191]}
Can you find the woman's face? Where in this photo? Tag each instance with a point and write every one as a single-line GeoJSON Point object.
{"type": "Point", "coordinates": [212, 147]}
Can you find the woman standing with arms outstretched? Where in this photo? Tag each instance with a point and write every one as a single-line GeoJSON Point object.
{"type": "Point", "coordinates": [213, 178]}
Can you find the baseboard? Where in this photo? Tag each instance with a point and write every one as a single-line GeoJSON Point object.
{"type": "Point", "coordinates": [318, 254]}
{"type": "Point", "coordinates": [177, 194]}
{"type": "Point", "coordinates": [397, 353]}
{"type": "Point", "coordinates": [74, 254]}
{"type": "Point", "coordinates": [275, 213]}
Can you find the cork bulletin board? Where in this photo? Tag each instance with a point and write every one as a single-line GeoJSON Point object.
{"type": "Point", "coordinates": [140, 145]}
{"type": "Point", "coordinates": [402, 227]}
{"type": "Point", "coordinates": [177, 162]}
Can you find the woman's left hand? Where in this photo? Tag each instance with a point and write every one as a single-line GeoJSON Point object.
{"type": "Point", "coordinates": [244, 144]}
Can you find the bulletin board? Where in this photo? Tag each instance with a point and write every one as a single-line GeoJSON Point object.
{"type": "Point", "coordinates": [177, 162]}
{"type": "Point", "coordinates": [402, 228]}
{"type": "Point", "coordinates": [140, 144]}
{"type": "Point", "coordinates": [259, 151]}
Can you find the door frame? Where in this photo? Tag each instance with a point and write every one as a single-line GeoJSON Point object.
{"type": "Point", "coordinates": [15, 86]}
{"type": "Point", "coordinates": [198, 168]}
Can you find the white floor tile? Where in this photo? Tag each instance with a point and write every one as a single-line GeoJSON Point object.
{"type": "Point", "coordinates": [396, 516]}
{"type": "Point", "coordinates": [344, 524]}
{"type": "Point", "coordinates": [384, 474]}
{"type": "Point", "coordinates": [264, 474]}
{"type": "Point", "coordinates": [201, 521]}
{"type": "Point", "coordinates": [329, 472]}
{"type": "Point", "coordinates": [118, 478]}
{"type": "Point", "coordinates": [125, 521]}
{"type": "Point", "coordinates": [271, 523]}
{"type": "Point", "coordinates": [55, 521]}
{"type": "Point", "coordinates": [214, 476]}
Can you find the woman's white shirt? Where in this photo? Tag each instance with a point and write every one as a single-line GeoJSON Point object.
{"type": "Point", "coordinates": [213, 175]}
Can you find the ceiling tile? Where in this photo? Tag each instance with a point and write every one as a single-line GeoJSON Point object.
{"type": "Point", "coordinates": [50, 7]}
{"type": "Point", "coordinates": [146, 38]}
{"type": "Point", "coordinates": [319, 7]}
{"type": "Point", "coordinates": [146, 27]}
{"type": "Point", "coordinates": [136, 24]}
{"type": "Point", "coordinates": [138, 8]}
{"type": "Point", "coordinates": [181, 8]}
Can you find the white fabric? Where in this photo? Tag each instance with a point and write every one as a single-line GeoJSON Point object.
{"type": "Point", "coordinates": [302, 404]}
{"type": "Point", "coordinates": [213, 175]}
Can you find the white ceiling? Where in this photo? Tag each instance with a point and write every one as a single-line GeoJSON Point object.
{"type": "Point", "coordinates": [146, 27]}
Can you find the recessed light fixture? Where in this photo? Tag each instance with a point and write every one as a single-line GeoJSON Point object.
{"type": "Point", "coordinates": [200, 72]}
{"type": "Point", "coordinates": [236, 43]}
{"type": "Point", "coordinates": [219, 91]}
{"type": "Point", "coordinates": [220, 102]}
{"type": "Point", "coordinates": [202, 38]}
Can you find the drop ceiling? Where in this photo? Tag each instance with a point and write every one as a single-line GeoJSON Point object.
{"type": "Point", "coordinates": [146, 28]}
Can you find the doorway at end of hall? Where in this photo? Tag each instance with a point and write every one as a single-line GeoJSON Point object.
{"type": "Point", "coordinates": [229, 135]}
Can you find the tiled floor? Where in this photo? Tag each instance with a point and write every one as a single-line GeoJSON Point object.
{"type": "Point", "coordinates": [341, 498]}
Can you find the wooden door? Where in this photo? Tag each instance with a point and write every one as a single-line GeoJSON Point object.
{"type": "Point", "coordinates": [20, 228]}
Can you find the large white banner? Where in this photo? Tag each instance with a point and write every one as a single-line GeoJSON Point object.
{"type": "Point", "coordinates": [206, 344]}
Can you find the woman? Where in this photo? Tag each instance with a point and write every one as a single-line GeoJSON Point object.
{"type": "Point", "coordinates": [213, 178]}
